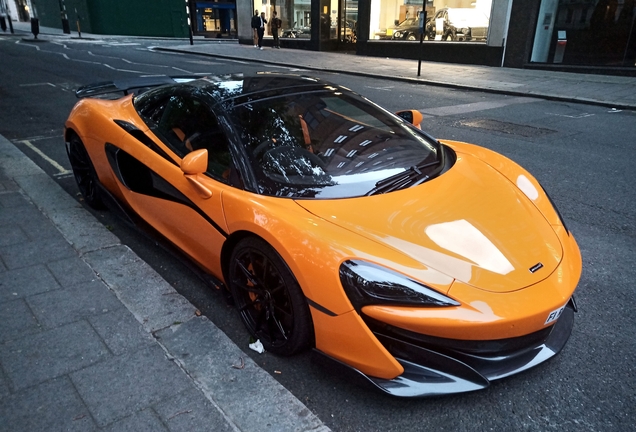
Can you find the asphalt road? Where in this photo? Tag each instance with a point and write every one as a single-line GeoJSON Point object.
{"type": "Point", "coordinates": [583, 155]}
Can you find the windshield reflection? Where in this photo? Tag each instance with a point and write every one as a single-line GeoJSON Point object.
{"type": "Point", "coordinates": [325, 144]}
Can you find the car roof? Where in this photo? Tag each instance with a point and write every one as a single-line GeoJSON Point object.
{"type": "Point", "coordinates": [240, 88]}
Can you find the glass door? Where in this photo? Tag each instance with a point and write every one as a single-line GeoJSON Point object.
{"type": "Point", "coordinates": [348, 21]}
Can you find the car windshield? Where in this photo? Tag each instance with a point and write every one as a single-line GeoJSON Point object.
{"type": "Point", "coordinates": [326, 144]}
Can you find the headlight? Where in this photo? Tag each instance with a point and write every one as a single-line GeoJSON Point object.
{"type": "Point", "coordinates": [367, 283]}
{"type": "Point", "coordinates": [397, 34]}
{"type": "Point", "coordinates": [464, 31]}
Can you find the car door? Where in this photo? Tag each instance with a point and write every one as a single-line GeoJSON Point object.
{"type": "Point", "coordinates": [148, 166]}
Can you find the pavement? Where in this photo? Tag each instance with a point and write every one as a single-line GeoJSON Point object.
{"type": "Point", "coordinates": [92, 338]}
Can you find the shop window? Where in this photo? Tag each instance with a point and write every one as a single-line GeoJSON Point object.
{"type": "Point", "coordinates": [446, 20]}
{"type": "Point", "coordinates": [593, 32]}
{"type": "Point", "coordinates": [295, 16]}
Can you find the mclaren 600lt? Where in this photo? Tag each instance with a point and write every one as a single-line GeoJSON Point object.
{"type": "Point", "coordinates": [426, 266]}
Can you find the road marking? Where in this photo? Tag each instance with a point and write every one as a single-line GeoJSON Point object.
{"type": "Point", "coordinates": [63, 175]}
{"type": "Point", "coordinates": [181, 70]}
{"type": "Point", "coordinates": [33, 46]}
{"type": "Point", "coordinates": [87, 61]}
{"type": "Point", "coordinates": [576, 116]}
{"type": "Point", "coordinates": [475, 106]}
{"type": "Point", "coordinates": [57, 166]}
{"type": "Point", "coordinates": [123, 70]}
{"type": "Point", "coordinates": [381, 88]}
{"type": "Point", "coordinates": [37, 84]}
{"type": "Point", "coordinates": [203, 62]}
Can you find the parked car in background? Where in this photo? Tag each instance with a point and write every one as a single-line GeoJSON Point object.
{"type": "Point", "coordinates": [458, 24]}
{"type": "Point", "coordinates": [409, 29]}
{"type": "Point", "coordinates": [296, 32]}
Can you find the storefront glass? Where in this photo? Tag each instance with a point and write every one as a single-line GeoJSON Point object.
{"type": "Point", "coordinates": [446, 20]}
{"type": "Point", "coordinates": [586, 32]}
{"type": "Point", "coordinates": [339, 20]}
{"type": "Point", "coordinates": [217, 17]}
{"type": "Point", "coordinates": [294, 14]}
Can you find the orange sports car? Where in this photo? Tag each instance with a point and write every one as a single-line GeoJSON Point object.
{"type": "Point", "coordinates": [425, 266]}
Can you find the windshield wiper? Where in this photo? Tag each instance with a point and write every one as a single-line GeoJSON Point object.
{"type": "Point", "coordinates": [412, 176]}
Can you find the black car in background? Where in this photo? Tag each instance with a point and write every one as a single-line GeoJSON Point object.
{"type": "Point", "coordinates": [409, 29]}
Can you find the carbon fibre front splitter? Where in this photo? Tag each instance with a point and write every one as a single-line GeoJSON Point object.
{"type": "Point", "coordinates": [431, 373]}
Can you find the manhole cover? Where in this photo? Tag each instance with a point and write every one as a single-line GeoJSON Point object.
{"type": "Point", "coordinates": [508, 128]}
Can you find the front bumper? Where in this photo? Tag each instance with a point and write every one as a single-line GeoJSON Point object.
{"type": "Point", "coordinates": [436, 366]}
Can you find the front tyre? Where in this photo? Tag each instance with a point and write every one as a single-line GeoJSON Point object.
{"type": "Point", "coordinates": [268, 298]}
{"type": "Point", "coordinates": [84, 172]}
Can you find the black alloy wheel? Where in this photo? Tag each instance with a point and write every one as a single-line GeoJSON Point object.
{"type": "Point", "coordinates": [84, 172]}
{"type": "Point", "coordinates": [269, 299]}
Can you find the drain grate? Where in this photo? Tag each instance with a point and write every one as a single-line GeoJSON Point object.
{"type": "Point", "coordinates": [508, 128]}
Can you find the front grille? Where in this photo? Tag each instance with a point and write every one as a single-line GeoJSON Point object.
{"type": "Point", "coordinates": [482, 348]}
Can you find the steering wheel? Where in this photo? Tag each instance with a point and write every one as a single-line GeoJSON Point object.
{"type": "Point", "coordinates": [261, 148]}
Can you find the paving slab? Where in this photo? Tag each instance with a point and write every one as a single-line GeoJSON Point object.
{"type": "Point", "coordinates": [26, 281]}
{"type": "Point", "coordinates": [146, 420]}
{"type": "Point", "coordinates": [125, 384]}
{"type": "Point", "coordinates": [72, 303]}
{"type": "Point", "coordinates": [121, 332]}
{"type": "Point", "coordinates": [17, 320]}
{"type": "Point", "coordinates": [191, 411]}
{"type": "Point", "coordinates": [11, 234]}
{"type": "Point", "coordinates": [35, 410]}
{"type": "Point", "coordinates": [71, 271]}
{"type": "Point", "coordinates": [32, 253]}
{"type": "Point", "coordinates": [37, 358]}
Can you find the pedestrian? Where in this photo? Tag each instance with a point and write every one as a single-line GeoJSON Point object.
{"type": "Point", "coordinates": [256, 22]}
{"type": "Point", "coordinates": [276, 24]}
{"type": "Point", "coordinates": [261, 30]}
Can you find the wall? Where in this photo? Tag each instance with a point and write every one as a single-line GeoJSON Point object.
{"type": "Point", "coordinates": [523, 21]}
{"type": "Point", "coordinates": [48, 12]}
{"type": "Point", "coordinates": [139, 18]}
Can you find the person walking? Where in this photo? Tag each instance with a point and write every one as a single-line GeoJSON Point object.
{"type": "Point", "coordinates": [276, 24]}
{"type": "Point", "coordinates": [261, 30]}
{"type": "Point", "coordinates": [256, 22]}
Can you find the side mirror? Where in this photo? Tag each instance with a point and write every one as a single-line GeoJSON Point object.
{"type": "Point", "coordinates": [412, 116]}
{"type": "Point", "coordinates": [195, 162]}
{"type": "Point", "coordinates": [193, 165]}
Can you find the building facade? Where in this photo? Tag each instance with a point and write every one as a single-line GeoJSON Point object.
{"type": "Point", "coordinates": [577, 35]}
{"type": "Point", "coordinates": [574, 35]}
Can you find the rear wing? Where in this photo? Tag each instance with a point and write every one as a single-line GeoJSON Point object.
{"type": "Point", "coordinates": [128, 85]}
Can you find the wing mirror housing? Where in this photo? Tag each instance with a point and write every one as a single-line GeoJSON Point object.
{"type": "Point", "coordinates": [195, 162]}
{"type": "Point", "coordinates": [193, 165]}
{"type": "Point", "coordinates": [412, 116]}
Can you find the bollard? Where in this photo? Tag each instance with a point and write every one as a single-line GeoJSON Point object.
{"type": "Point", "coordinates": [35, 27]}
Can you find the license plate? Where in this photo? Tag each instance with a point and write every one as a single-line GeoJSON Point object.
{"type": "Point", "coordinates": [554, 315]}
{"type": "Point", "coordinates": [389, 32]}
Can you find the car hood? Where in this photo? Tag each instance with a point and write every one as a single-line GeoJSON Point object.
{"type": "Point", "coordinates": [471, 223]}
